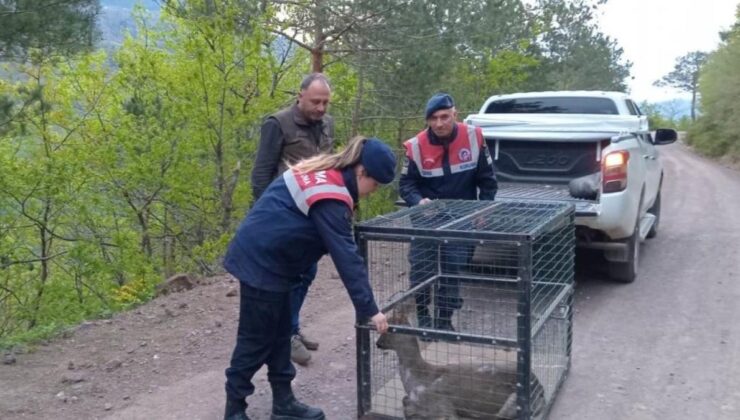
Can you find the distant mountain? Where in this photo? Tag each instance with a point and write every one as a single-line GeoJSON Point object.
{"type": "Point", "coordinates": [115, 20]}
{"type": "Point", "coordinates": [129, 4]}
{"type": "Point", "coordinates": [675, 108]}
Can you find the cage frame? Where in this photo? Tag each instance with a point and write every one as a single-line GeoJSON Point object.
{"type": "Point", "coordinates": [526, 331]}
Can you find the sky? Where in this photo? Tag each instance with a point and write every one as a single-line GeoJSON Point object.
{"type": "Point", "coordinates": [653, 33]}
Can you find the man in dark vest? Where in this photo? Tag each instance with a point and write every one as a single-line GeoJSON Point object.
{"type": "Point", "coordinates": [298, 132]}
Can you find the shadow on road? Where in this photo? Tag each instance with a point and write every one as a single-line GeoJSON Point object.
{"type": "Point", "coordinates": [591, 267]}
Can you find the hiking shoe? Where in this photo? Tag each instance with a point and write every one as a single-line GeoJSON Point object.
{"type": "Point", "coordinates": [298, 351]}
{"type": "Point", "coordinates": [292, 409]}
{"type": "Point", "coordinates": [310, 343]}
{"type": "Point", "coordinates": [424, 320]}
{"type": "Point", "coordinates": [238, 416]}
{"type": "Point", "coordinates": [443, 325]}
{"type": "Point", "coordinates": [235, 410]}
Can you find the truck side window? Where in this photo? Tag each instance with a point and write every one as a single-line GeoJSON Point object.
{"type": "Point", "coordinates": [631, 108]}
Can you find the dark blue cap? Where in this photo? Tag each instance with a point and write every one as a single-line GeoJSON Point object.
{"type": "Point", "coordinates": [378, 160]}
{"type": "Point", "coordinates": [437, 102]}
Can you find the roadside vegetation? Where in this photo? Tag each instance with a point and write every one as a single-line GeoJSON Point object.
{"type": "Point", "coordinates": [717, 129]}
{"type": "Point", "coordinates": [121, 167]}
{"type": "Point", "coordinates": [713, 81]}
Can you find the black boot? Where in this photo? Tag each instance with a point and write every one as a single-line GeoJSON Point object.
{"type": "Point", "coordinates": [235, 410]}
{"type": "Point", "coordinates": [444, 320]}
{"type": "Point", "coordinates": [424, 320]}
{"type": "Point", "coordinates": [286, 407]}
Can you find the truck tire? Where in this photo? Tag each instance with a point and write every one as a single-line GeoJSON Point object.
{"type": "Point", "coordinates": [626, 271]}
{"type": "Point", "coordinates": [655, 211]}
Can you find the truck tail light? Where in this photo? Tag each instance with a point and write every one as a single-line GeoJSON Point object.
{"type": "Point", "coordinates": [615, 171]}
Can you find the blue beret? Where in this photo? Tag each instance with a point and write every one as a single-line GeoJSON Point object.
{"type": "Point", "coordinates": [437, 102]}
{"type": "Point", "coordinates": [378, 160]}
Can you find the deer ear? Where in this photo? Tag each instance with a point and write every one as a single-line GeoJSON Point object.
{"type": "Point", "coordinates": [398, 318]}
{"type": "Point", "coordinates": [406, 308]}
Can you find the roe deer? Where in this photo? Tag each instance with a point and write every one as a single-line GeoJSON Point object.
{"type": "Point", "coordinates": [453, 391]}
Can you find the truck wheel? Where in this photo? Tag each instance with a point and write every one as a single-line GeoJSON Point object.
{"type": "Point", "coordinates": [655, 211]}
{"type": "Point", "coordinates": [626, 271]}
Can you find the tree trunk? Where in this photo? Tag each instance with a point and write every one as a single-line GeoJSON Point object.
{"type": "Point", "coordinates": [146, 242]}
{"type": "Point", "coordinates": [401, 129]}
{"type": "Point", "coordinates": [168, 254]}
{"type": "Point", "coordinates": [45, 252]}
{"type": "Point", "coordinates": [317, 52]}
{"type": "Point", "coordinates": [358, 101]}
{"type": "Point", "coordinates": [317, 60]}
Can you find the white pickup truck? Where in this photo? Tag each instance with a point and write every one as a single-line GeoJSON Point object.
{"type": "Point", "coordinates": [591, 148]}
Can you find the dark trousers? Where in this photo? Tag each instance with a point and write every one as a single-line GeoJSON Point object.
{"type": "Point", "coordinates": [429, 258]}
{"type": "Point", "coordinates": [298, 296]}
{"type": "Point", "coordinates": [263, 337]}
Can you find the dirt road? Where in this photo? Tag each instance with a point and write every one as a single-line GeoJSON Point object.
{"type": "Point", "coordinates": [665, 347]}
{"type": "Point", "coordinates": [668, 345]}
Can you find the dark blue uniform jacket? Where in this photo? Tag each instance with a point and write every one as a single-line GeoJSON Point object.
{"type": "Point", "coordinates": [276, 243]}
{"type": "Point", "coordinates": [478, 183]}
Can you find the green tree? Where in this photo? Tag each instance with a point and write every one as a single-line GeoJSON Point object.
{"type": "Point", "coordinates": [43, 183]}
{"type": "Point", "coordinates": [63, 26]}
{"type": "Point", "coordinates": [655, 118]}
{"type": "Point", "coordinates": [685, 76]}
{"type": "Point", "coordinates": [717, 130]}
{"type": "Point", "coordinates": [429, 46]}
{"type": "Point", "coordinates": [112, 177]}
{"type": "Point", "coordinates": [575, 53]}
{"type": "Point", "coordinates": [336, 28]}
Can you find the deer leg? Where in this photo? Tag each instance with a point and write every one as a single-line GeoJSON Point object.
{"type": "Point", "coordinates": [508, 410]}
{"type": "Point", "coordinates": [446, 410]}
{"type": "Point", "coordinates": [410, 410]}
{"type": "Point", "coordinates": [437, 409]}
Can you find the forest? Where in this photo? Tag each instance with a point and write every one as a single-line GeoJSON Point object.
{"type": "Point", "coordinates": [120, 167]}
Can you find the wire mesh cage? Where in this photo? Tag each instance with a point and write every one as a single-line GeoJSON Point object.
{"type": "Point", "coordinates": [479, 296]}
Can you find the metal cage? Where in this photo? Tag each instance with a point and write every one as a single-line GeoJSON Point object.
{"type": "Point", "coordinates": [479, 297]}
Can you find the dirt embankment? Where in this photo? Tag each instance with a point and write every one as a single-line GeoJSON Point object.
{"type": "Point", "coordinates": [165, 360]}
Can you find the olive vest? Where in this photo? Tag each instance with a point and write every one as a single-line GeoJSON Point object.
{"type": "Point", "coordinates": [300, 139]}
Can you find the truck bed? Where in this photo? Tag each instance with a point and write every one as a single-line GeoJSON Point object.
{"type": "Point", "coordinates": [546, 192]}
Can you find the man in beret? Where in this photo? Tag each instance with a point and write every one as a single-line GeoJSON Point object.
{"type": "Point", "coordinates": [447, 160]}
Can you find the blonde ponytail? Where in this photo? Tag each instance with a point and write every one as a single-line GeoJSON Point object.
{"type": "Point", "coordinates": [350, 156]}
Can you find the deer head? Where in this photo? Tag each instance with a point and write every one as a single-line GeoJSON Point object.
{"type": "Point", "coordinates": [401, 343]}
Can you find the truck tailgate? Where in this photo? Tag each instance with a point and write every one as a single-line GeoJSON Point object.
{"type": "Point", "coordinates": [546, 192]}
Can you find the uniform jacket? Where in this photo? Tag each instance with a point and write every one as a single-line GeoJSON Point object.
{"type": "Point", "coordinates": [288, 137]}
{"type": "Point", "coordinates": [298, 219]}
{"type": "Point", "coordinates": [459, 169]}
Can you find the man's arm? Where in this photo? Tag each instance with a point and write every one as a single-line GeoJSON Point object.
{"type": "Point", "coordinates": [485, 177]}
{"type": "Point", "coordinates": [268, 157]}
{"type": "Point", "coordinates": [408, 184]}
{"type": "Point", "coordinates": [333, 220]}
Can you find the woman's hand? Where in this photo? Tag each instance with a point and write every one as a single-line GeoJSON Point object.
{"type": "Point", "coordinates": [380, 322]}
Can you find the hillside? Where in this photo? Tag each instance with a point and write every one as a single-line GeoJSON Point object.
{"type": "Point", "coordinates": [116, 20]}
{"type": "Point", "coordinates": [166, 360]}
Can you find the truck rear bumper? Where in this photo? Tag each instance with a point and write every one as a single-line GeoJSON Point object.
{"type": "Point", "coordinates": [611, 214]}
